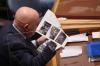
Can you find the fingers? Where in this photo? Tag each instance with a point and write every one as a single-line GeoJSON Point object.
{"type": "Point", "coordinates": [42, 39]}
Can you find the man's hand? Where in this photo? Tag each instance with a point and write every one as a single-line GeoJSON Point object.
{"type": "Point", "coordinates": [41, 40]}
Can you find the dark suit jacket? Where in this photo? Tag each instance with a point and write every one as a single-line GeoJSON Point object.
{"type": "Point", "coordinates": [17, 51]}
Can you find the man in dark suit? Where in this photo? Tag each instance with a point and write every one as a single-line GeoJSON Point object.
{"type": "Point", "coordinates": [15, 46]}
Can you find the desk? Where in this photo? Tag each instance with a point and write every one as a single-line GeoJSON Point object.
{"type": "Point", "coordinates": [83, 26]}
{"type": "Point", "coordinates": [81, 60]}
{"type": "Point", "coordinates": [88, 26]}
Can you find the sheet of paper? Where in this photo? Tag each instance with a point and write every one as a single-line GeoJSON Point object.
{"type": "Point", "coordinates": [70, 51]}
{"type": "Point", "coordinates": [78, 38]}
{"type": "Point", "coordinates": [95, 34]}
{"type": "Point", "coordinates": [51, 18]}
{"type": "Point", "coordinates": [94, 59]}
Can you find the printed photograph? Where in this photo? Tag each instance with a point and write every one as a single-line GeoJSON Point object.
{"type": "Point", "coordinates": [53, 33]}
{"type": "Point", "coordinates": [61, 38]}
{"type": "Point", "coordinates": [51, 44]}
{"type": "Point", "coordinates": [45, 27]}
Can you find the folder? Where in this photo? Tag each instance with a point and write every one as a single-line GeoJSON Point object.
{"type": "Point", "coordinates": [93, 49]}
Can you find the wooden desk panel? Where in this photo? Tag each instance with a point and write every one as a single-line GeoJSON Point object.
{"type": "Point", "coordinates": [80, 25]}
{"type": "Point", "coordinates": [78, 9]}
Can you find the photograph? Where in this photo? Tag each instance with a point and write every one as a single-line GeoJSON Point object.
{"type": "Point", "coordinates": [61, 38]}
{"type": "Point", "coordinates": [53, 33]}
{"type": "Point", "coordinates": [45, 27]}
{"type": "Point", "coordinates": [51, 43]}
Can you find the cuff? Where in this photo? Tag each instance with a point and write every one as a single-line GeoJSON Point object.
{"type": "Point", "coordinates": [35, 43]}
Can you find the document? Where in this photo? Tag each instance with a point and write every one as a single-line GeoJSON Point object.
{"type": "Point", "coordinates": [51, 28]}
{"type": "Point", "coordinates": [95, 34]}
{"type": "Point", "coordinates": [78, 38]}
{"type": "Point", "coordinates": [70, 51]}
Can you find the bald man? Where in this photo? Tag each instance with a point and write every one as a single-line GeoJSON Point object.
{"type": "Point", "coordinates": [15, 47]}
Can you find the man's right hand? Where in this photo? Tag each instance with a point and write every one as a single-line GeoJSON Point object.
{"type": "Point", "coordinates": [41, 40]}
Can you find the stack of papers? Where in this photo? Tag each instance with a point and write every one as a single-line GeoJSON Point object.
{"type": "Point", "coordinates": [70, 51]}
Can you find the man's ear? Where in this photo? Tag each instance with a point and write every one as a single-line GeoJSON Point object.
{"type": "Point", "coordinates": [26, 26]}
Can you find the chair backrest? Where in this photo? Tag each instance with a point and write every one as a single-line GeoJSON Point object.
{"type": "Point", "coordinates": [40, 5]}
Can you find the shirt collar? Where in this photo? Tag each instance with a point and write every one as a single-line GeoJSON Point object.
{"type": "Point", "coordinates": [19, 31]}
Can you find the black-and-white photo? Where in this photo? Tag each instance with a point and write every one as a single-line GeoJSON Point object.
{"type": "Point", "coordinates": [61, 38]}
{"type": "Point", "coordinates": [45, 27]}
{"type": "Point", "coordinates": [52, 44]}
{"type": "Point", "coordinates": [53, 33]}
